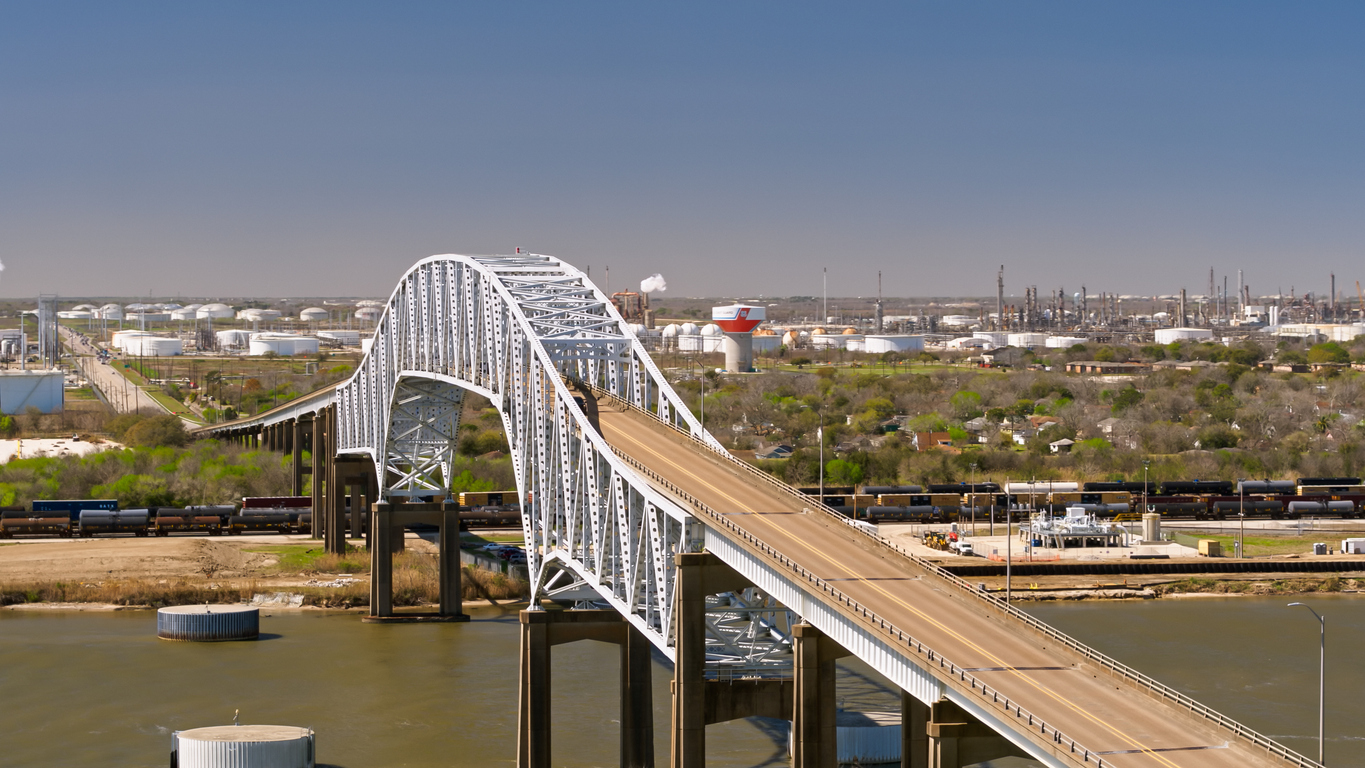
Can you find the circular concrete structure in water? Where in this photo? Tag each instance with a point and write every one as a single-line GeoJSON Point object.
{"type": "Point", "coordinates": [208, 623]}
{"type": "Point", "coordinates": [244, 746]}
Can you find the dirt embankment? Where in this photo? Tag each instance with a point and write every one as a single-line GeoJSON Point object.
{"type": "Point", "coordinates": [119, 559]}
{"type": "Point", "coordinates": [155, 572]}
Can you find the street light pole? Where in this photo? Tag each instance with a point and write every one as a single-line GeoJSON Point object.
{"type": "Point", "coordinates": [1242, 520]}
{"type": "Point", "coordinates": [820, 433]}
{"type": "Point", "coordinates": [973, 498]}
{"type": "Point", "coordinates": [1322, 676]}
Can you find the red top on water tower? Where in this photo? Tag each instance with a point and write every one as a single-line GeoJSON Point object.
{"type": "Point", "coordinates": [738, 318]}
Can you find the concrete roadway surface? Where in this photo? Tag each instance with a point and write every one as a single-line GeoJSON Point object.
{"type": "Point", "coordinates": [122, 394]}
{"type": "Point", "coordinates": [1124, 725]}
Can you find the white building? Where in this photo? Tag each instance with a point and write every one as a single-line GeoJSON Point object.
{"type": "Point", "coordinates": [345, 338]}
{"type": "Point", "coordinates": [1172, 335]}
{"type": "Point", "coordinates": [1063, 342]}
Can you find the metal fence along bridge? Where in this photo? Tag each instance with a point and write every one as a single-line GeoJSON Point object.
{"type": "Point", "coordinates": [653, 536]}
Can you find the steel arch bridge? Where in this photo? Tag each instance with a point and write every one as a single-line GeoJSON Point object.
{"type": "Point", "coordinates": [619, 502]}
{"type": "Point", "coordinates": [523, 331]}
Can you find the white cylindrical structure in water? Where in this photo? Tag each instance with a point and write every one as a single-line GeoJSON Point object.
{"type": "Point", "coordinates": [244, 746]}
{"type": "Point", "coordinates": [208, 623]}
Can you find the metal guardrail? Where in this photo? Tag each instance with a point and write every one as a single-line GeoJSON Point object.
{"type": "Point", "coordinates": [1113, 666]}
{"type": "Point", "coordinates": [928, 655]}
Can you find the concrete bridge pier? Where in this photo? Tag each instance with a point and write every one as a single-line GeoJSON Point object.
{"type": "Point", "coordinates": [541, 630]}
{"type": "Point", "coordinates": [386, 538]}
{"type": "Point", "coordinates": [814, 735]}
{"type": "Point", "coordinates": [297, 434]}
{"type": "Point", "coordinates": [697, 701]}
{"type": "Point", "coordinates": [956, 738]}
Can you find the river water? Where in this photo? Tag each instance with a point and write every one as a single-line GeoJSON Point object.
{"type": "Point", "coordinates": [99, 689]}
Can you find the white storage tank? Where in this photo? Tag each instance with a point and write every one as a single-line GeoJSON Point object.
{"type": "Point", "coordinates": [996, 338]}
{"type": "Point", "coordinates": [958, 321]}
{"type": "Point", "coordinates": [214, 312]}
{"type": "Point", "coordinates": [184, 313]}
{"type": "Point", "coordinates": [255, 314]}
{"type": "Point", "coordinates": [368, 314]}
{"type": "Point", "coordinates": [233, 338]}
{"type": "Point", "coordinates": [111, 312]}
{"type": "Point", "coordinates": [40, 389]}
{"type": "Point", "coordinates": [1027, 340]}
{"type": "Point", "coordinates": [1064, 342]}
{"type": "Point", "coordinates": [244, 746]}
{"type": "Point", "coordinates": [688, 329]}
{"type": "Point", "coordinates": [699, 343]}
{"type": "Point", "coordinates": [147, 345]}
{"type": "Point", "coordinates": [710, 329]}
{"type": "Point", "coordinates": [283, 344]}
{"type": "Point", "coordinates": [313, 314]}
{"type": "Point", "coordinates": [884, 343]}
{"type": "Point", "coordinates": [1172, 335]}
{"type": "Point", "coordinates": [74, 314]}
{"type": "Point", "coordinates": [119, 340]}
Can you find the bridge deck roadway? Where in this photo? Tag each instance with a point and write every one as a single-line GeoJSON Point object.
{"type": "Point", "coordinates": [1127, 726]}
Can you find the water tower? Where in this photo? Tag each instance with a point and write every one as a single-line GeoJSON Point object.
{"type": "Point", "coordinates": [738, 321]}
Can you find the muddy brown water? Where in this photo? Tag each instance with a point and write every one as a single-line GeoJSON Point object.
{"type": "Point", "coordinates": [99, 689]}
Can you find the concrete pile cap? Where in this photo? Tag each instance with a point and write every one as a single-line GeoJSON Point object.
{"type": "Point", "coordinates": [246, 733]}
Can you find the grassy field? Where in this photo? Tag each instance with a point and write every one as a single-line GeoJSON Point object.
{"type": "Point", "coordinates": [1269, 546]}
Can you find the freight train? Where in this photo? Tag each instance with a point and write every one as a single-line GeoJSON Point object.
{"type": "Point", "coordinates": [67, 518]}
{"type": "Point", "coordinates": [1196, 499]}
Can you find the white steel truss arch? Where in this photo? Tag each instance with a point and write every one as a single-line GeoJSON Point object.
{"type": "Point", "coordinates": [517, 329]}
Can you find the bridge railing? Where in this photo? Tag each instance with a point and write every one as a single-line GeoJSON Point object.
{"type": "Point", "coordinates": [1112, 666]}
{"type": "Point", "coordinates": [928, 656]}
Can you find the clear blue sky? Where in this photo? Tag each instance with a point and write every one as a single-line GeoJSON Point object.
{"type": "Point", "coordinates": [319, 148]}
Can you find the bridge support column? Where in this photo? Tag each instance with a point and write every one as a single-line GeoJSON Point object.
{"type": "Point", "coordinates": [452, 599]}
{"type": "Point", "coordinates": [386, 538]}
{"type": "Point", "coordinates": [540, 630]}
{"type": "Point", "coordinates": [296, 449]}
{"type": "Point", "coordinates": [698, 702]}
{"type": "Point", "coordinates": [381, 561]}
{"type": "Point", "coordinates": [956, 738]}
{"type": "Point", "coordinates": [319, 476]}
{"type": "Point", "coordinates": [814, 735]}
{"type": "Point", "coordinates": [914, 732]}
{"type": "Point", "coordinates": [338, 470]}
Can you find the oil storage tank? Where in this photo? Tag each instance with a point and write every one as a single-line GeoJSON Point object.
{"type": "Point", "coordinates": [282, 344]}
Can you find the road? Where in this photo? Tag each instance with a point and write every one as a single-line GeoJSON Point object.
{"type": "Point", "coordinates": [123, 395]}
{"type": "Point", "coordinates": [1123, 724]}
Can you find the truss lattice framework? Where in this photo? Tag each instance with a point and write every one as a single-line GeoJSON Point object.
{"type": "Point", "coordinates": [513, 328]}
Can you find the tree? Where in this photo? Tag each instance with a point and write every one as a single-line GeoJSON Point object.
{"type": "Point", "coordinates": [842, 472]}
{"type": "Point", "coordinates": [157, 431]}
{"type": "Point", "coordinates": [1328, 352]}
{"type": "Point", "coordinates": [1126, 398]}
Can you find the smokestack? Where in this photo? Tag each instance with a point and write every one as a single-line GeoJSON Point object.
{"type": "Point", "coordinates": [879, 301]}
{"type": "Point", "coordinates": [1183, 322]}
{"type": "Point", "coordinates": [1332, 301]}
{"type": "Point", "coordinates": [1000, 298]}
